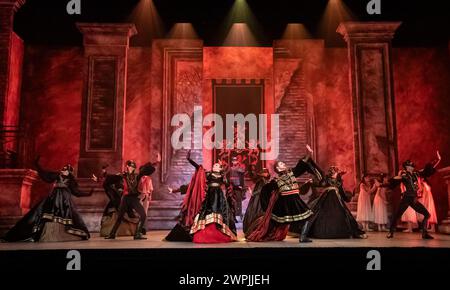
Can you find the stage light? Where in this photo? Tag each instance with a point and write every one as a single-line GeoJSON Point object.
{"type": "Point", "coordinates": [296, 31]}
{"type": "Point", "coordinates": [335, 13]}
{"type": "Point", "coordinates": [240, 35]}
{"type": "Point", "coordinates": [183, 30]}
{"type": "Point", "coordinates": [148, 23]}
{"type": "Point", "coordinates": [240, 25]}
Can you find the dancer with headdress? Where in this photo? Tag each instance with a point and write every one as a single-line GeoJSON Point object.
{"type": "Point", "coordinates": [409, 177]}
{"type": "Point", "coordinates": [332, 219]}
{"type": "Point", "coordinates": [55, 218]}
{"type": "Point", "coordinates": [280, 199]}
{"type": "Point", "coordinates": [206, 216]}
{"type": "Point", "coordinates": [128, 182]}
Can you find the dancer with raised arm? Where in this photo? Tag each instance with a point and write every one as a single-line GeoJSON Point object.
{"type": "Point", "coordinates": [409, 177]}
{"type": "Point", "coordinates": [55, 218]}
{"type": "Point", "coordinates": [128, 182]}
{"type": "Point", "coordinates": [281, 202]}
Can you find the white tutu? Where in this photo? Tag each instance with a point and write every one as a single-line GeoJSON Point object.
{"type": "Point", "coordinates": [380, 212]}
{"type": "Point", "coordinates": [364, 212]}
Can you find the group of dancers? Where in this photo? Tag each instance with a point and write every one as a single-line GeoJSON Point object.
{"type": "Point", "coordinates": [208, 212]}
{"type": "Point", "coordinates": [374, 200]}
{"type": "Point", "coordinates": [56, 218]}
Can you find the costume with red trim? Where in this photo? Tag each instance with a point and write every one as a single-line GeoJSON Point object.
{"type": "Point", "coordinates": [128, 183]}
{"type": "Point", "coordinates": [193, 199]}
{"type": "Point", "coordinates": [282, 204]}
{"type": "Point", "coordinates": [214, 223]}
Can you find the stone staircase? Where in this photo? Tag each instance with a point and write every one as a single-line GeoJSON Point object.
{"type": "Point", "coordinates": [162, 214]}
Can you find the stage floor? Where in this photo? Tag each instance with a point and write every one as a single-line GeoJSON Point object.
{"type": "Point", "coordinates": [155, 241]}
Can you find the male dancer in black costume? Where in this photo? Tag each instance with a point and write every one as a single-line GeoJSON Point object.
{"type": "Point", "coordinates": [236, 177]}
{"type": "Point", "coordinates": [409, 176]}
{"type": "Point", "coordinates": [129, 182]}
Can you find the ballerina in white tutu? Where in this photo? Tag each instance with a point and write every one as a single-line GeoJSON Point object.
{"type": "Point", "coordinates": [380, 204]}
{"type": "Point", "coordinates": [364, 213]}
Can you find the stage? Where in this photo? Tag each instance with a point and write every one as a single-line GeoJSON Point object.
{"type": "Point", "coordinates": [173, 260]}
{"type": "Point", "coordinates": [155, 241]}
{"type": "Point", "coordinates": [298, 111]}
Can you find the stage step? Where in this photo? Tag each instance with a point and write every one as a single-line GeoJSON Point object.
{"type": "Point", "coordinates": [161, 223]}
{"type": "Point", "coordinates": [162, 214]}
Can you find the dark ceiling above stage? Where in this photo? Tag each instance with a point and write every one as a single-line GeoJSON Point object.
{"type": "Point", "coordinates": [46, 21]}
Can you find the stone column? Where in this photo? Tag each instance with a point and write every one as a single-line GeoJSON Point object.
{"type": "Point", "coordinates": [444, 227]}
{"type": "Point", "coordinates": [103, 112]}
{"type": "Point", "coordinates": [11, 55]}
{"type": "Point", "coordinates": [372, 88]}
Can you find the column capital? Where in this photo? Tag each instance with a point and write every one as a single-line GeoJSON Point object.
{"type": "Point", "coordinates": [14, 4]}
{"type": "Point", "coordinates": [367, 31]}
{"type": "Point", "coordinates": [106, 33]}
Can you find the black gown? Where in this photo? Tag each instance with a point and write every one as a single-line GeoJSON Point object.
{"type": "Point", "coordinates": [56, 209]}
{"type": "Point", "coordinates": [332, 219]}
{"type": "Point", "coordinates": [215, 208]}
{"type": "Point", "coordinates": [254, 208]}
{"type": "Point", "coordinates": [289, 207]}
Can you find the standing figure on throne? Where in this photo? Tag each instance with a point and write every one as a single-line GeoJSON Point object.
{"type": "Point", "coordinates": [55, 218]}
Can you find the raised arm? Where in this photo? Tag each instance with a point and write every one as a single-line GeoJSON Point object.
{"type": "Point", "coordinates": [188, 157]}
{"type": "Point", "coordinates": [47, 176]}
{"type": "Point", "coordinates": [307, 164]}
{"type": "Point", "coordinates": [430, 168]}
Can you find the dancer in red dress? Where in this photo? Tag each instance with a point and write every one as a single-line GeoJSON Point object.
{"type": "Point", "coordinates": [214, 223]}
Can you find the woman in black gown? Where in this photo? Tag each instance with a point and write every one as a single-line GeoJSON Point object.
{"type": "Point", "coordinates": [254, 208]}
{"type": "Point", "coordinates": [55, 218]}
{"type": "Point", "coordinates": [206, 216]}
{"type": "Point", "coordinates": [332, 219]}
